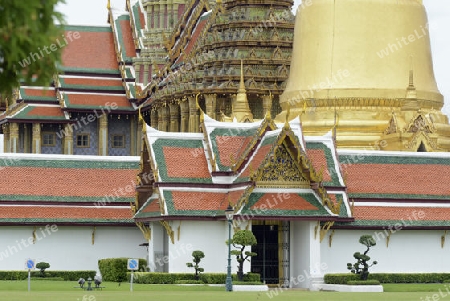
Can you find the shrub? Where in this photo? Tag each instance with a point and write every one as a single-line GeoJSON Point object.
{"type": "Point", "coordinates": [189, 282]}
{"type": "Point", "coordinates": [115, 269]}
{"type": "Point", "coordinates": [66, 275]}
{"type": "Point", "coordinates": [197, 257]}
{"type": "Point", "coordinates": [171, 278]}
{"type": "Point", "coordinates": [240, 240]}
{"type": "Point", "coordinates": [48, 278]}
{"type": "Point", "coordinates": [390, 277]}
{"type": "Point", "coordinates": [42, 266]}
{"type": "Point", "coordinates": [365, 282]}
{"type": "Point", "coordinates": [361, 266]}
{"type": "Point", "coordinates": [247, 283]}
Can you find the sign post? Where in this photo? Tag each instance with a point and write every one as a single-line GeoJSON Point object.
{"type": "Point", "coordinates": [133, 265]}
{"type": "Point", "coordinates": [30, 265]}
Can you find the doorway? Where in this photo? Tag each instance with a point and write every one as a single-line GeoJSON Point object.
{"type": "Point", "coordinates": [267, 261]}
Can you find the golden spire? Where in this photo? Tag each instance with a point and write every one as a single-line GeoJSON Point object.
{"type": "Point", "coordinates": [108, 5]}
{"type": "Point", "coordinates": [241, 109]}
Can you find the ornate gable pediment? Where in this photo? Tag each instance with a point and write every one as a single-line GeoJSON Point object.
{"type": "Point", "coordinates": [420, 124]}
{"type": "Point", "coordinates": [280, 169]}
{"type": "Point", "coordinates": [392, 127]}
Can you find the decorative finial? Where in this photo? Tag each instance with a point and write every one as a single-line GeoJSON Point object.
{"type": "Point", "coordinates": [202, 114]}
{"type": "Point", "coordinates": [411, 90]}
{"type": "Point", "coordinates": [288, 112]}
{"type": "Point", "coordinates": [108, 5]}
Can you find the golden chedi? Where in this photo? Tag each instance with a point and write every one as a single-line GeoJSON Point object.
{"type": "Point", "coordinates": [364, 70]}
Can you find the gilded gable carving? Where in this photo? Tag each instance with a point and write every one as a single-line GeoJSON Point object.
{"type": "Point", "coordinates": [280, 170]}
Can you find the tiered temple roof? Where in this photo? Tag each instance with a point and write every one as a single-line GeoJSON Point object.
{"type": "Point", "coordinates": [261, 169]}
{"type": "Point", "coordinates": [84, 190]}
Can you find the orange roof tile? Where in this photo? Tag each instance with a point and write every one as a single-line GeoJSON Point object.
{"type": "Point", "coordinates": [194, 36]}
{"type": "Point", "coordinates": [84, 81]}
{"type": "Point", "coordinates": [400, 213]}
{"type": "Point", "coordinates": [257, 159]}
{"type": "Point", "coordinates": [419, 179]}
{"type": "Point", "coordinates": [283, 201]}
{"type": "Point", "coordinates": [92, 50]}
{"type": "Point", "coordinates": [231, 146]}
{"type": "Point", "coordinates": [63, 212]}
{"type": "Point", "coordinates": [130, 51]}
{"type": "Point", "coordinates": [142, 18]}
{"type": "Point", "coordinates": [97, 100]}
{"type": "Point", "coordinates": [40, 92]}
{"type": "Point", "coordinates": [186, 162]}
{"type": "Point", "coordinates": [64, 182]}
{"type": "Point", "coordinates": [46, 111]}
{"type": "Point", "coordinates": [187, 200]}
{"type": "Point", "coordinates": [152, 207]}
{"type": "Point", "coordinates": [319, 162]}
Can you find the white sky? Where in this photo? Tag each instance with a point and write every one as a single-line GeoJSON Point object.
{"type": "Point", "coordinates": [93, 12]}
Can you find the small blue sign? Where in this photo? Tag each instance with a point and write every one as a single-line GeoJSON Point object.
{"type": "Point", "coordinates": [133, 264]}
{"type": "Point", "coordinates": [30, 264]}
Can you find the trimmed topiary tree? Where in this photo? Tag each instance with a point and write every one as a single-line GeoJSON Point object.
{"type": "Point", "coordinates": [42, 266]}
{"type": "Point", "coordinates": [197, 257]}
{"type": "Point", "coordinates": [361, 266]}
{"type": "Point", "coordinates": [240, 240]}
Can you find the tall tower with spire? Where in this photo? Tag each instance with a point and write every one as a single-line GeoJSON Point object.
{"type": "Point", "coordinates": [369, 76]}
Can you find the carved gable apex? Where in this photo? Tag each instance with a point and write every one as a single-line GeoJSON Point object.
{"type": "Point", "coordinates": [392, 127]}
{"type": "Point", "coordinates": [420, 124]}
{"type": "Point", "coordinates": [280, 169]}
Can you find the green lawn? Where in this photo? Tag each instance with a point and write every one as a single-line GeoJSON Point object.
{"type": "Point", "coordinates": [62, 291]}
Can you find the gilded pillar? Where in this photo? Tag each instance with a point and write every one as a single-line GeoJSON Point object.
{"type": "Point", "coordinates": [165, 118]}
{"type": "Point", "coordinates": [154, 118]}
{"type": "Point", "coordinates": [160, 119]}
{"type": "Point", "coordinates": [220, 108]}
{"type": "Point", "coordinates": [103, 135]}
{"type": "Point", "coordinates": [267, 103]}
{"type": "Point", "coordinates": [174, 14]}
{"type": "Point", "coordinates": [161, 16]}
{"type": "Point", "coordinates": [68, 139]}
{"type": "Point", "coordinates": [174, 117]}
{"type": "Point", "coordinates": [156, 16]}
{"type": "Point", "coordinates": [36, 138]}
{"type": "Point", "coordinates": [14, 137]}
{"type": "Point", "coordinates": [211, 105]}
{"type": "Point", "coordinates": [6, 139]}
{"type": "Point", "coordinates": [194, 117]}
{"type": "Point", "coordinates": [27, 134]}
{"type": "Point", "coordinates": [184, 123]}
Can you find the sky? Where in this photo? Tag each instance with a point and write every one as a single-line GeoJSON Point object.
{"type": "Point", "coordinates": [94, 12]}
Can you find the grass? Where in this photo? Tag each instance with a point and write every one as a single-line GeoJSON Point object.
{"type": "Point", "coordinates": [63, 290]}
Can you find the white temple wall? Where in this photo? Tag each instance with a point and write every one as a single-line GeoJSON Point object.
{"type": "Point", "coordinates": [206, 236]}
{"type": "Point", "coordinates": [409, 251]}
{"type": "Point", "coordinates": [67, 247]}
{"type": "Point", "coordinates": [306, 265]}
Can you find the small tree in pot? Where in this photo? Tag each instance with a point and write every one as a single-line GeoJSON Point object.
{"type": "Point", "coordinates": [240, 240]}
{"type": "Point", "coordinates": [361, 266]}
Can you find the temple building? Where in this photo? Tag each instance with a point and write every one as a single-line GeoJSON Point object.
{"type": "Point", "coordinates": [314, 133]}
